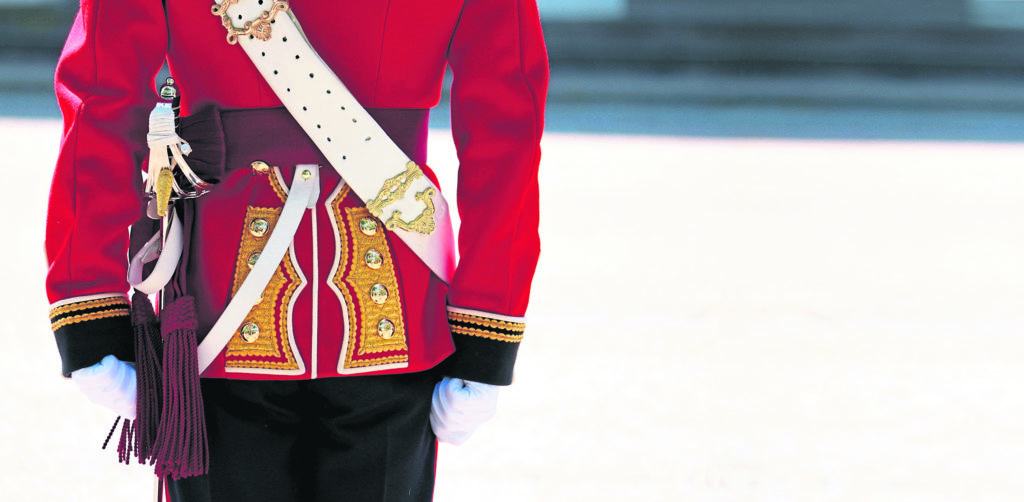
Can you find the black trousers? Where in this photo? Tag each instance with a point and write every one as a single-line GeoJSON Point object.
{"type": "Point", "coordinates": [335, 439]}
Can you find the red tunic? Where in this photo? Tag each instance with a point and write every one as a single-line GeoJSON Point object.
{"type": "Point", "coordinates": [392, 56]}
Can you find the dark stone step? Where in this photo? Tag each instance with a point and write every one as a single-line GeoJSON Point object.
{"type": "Point", "coordinates": [863, 13]}
{"type": "Point", "coordinates": [677, 45]}
{"type": "Point", "coordinates": [708, 38]}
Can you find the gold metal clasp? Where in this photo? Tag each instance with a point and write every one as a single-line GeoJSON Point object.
{"type": "Point", "coordinates": [393, 190]}
{"type": "Point", "coordinates": [424, 223]}
{"type": "Point", "coordinates": [259, 28]}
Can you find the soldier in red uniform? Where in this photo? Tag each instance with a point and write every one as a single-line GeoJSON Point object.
{"type": "Point", "coordinates": [325, 389]}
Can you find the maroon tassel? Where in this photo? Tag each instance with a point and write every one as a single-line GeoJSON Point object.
{"type": "Point", "coordinates": [181, 449]}
{"type": "Point", "coordinates": [111, 433]}
{"type": "Point", "coordinates": [148, 376]}
{"type": "Point", "coordinates": [128, 440]}
{"type": "Point", "coordinates": [126, 443]}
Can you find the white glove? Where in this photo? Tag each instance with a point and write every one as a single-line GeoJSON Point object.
{"type": "Point", "coordinates": [109, 383]}
{"type": "Point", "coordinates": [459, 407]}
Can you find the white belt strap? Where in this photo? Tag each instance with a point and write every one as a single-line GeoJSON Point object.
{"type": "Point", "coordinates": [394, 188]}
{"type": "Point", "coordinates": [303, 194]}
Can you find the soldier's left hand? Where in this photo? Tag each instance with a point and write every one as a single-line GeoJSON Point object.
{"type": "Point", "coordinates": [109, 383]}
{"type": "Point", "coordinates": [459, 407]}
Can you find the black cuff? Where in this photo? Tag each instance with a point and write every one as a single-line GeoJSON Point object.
{"type": "Point", "coordinates": [90, 330]}
{"type": "Point", "coordinates": [481, 360]}
{"type": "Point", "coordinates": [485, 348]}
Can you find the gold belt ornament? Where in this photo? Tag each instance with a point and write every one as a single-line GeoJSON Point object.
{"type": "Point", "coordinates": [260, 28]}
{"type": "Point", "coordinates": [394, 190]}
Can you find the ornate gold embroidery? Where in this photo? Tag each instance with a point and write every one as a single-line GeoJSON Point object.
{"type": "Point", "coordinates": [272, 348]}
{"type": "Point", "coordinates": [88, 310]}
{"type": "Point", "coordinates": [365, 363]}
{"type": "Point", "coordinates": [355, 280]}
{"type": "Point", "coordinates": [486, 327]}
{"type": "Point", "coordinates": [362, 278]}
{"type": "Point", "coordinates": [275, 183]}
{"type": "Point", "coordinates": [89, 317]}
{"type": "Point", "coordinates": [260, 28]}
{"type": "Point", "coordinates": [89, 304]}
{"type": "Point", "coordinates": [489, 322]}
{"type": "Point", "coordinates": [483, 333]}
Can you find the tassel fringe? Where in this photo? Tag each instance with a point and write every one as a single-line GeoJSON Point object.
{"type": "Point", "coordinates": [129, 440]}
{"type": "Point", "coordinates": [170, 427]}
{"type": "Point", "coordinates": [148, 374]}
{"type": "Point", "coordinates": [181, 449]}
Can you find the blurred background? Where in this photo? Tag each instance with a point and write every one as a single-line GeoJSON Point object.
{"type": "Point", "coordinates": [781, 260]}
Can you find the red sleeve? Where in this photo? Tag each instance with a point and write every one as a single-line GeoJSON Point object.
{"type": "Point", "coordinates": [104, 85]}
{"type": "Point", "coordinates": [500, 69]}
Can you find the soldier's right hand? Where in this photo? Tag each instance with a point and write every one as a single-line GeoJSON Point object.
{"type": "Point", "coordinates": [109, 383]}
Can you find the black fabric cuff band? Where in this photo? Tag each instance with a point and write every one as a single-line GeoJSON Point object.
{"type": "Point", "coordinates": [481, 360]}
{"type": "Point", "coordinates": [90, 330]}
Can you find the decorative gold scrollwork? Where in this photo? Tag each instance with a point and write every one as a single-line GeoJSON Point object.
{"type": "Point", "coordinates": [424, 223]}
{"type": "Point", "coordinates": [393, 190]}
{"type": "Point", "coordinates": [259, 28]}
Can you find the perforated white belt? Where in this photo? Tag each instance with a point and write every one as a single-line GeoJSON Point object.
{"type": "Point", "coordinates": [395, 189]}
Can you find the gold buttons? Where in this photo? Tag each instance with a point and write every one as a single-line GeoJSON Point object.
{"type": "Point", "coordinates": [306, 173]}
{"type": "Point", "coordinates": [251, 332]}
{"type": "Point", "coordinates": [367, 226]}
{"type": "Point", "coordinates": [258, 227]}
{"type": "Point", "coordinates": [386, 329]}
{"type": "Point", "coordinates": [373, 259]}
{"type": "Point", "coordinates": [251, 261]}
{"type": "Point", "coordinates": [260, 167]}
{"type": "Point", "coordinates": [378, 293]}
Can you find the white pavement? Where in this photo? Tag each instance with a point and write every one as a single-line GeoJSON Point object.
{"type": "Point", "coordinates": [712, 320]}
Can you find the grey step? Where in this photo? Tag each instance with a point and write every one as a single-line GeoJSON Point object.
{"type": "Point", "coordinates": [864, 13]}
{"type": "Point", "coordinates": [659, 43]}
{"type": "Point", "coordinates": [939, 40]}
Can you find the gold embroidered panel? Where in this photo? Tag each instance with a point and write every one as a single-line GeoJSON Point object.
{"type": "Point", "coordinates": [263, 341]}
{"type": "Point", "coordinates": [366, 278]}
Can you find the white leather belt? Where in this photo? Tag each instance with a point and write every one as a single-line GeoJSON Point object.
{"type": "Point", "coordinates": [394, 188]}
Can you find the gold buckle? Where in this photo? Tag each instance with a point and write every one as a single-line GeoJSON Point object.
{"type": "Point", "coordinates": [259, 29]}
{"type": "Point", "coordinates": [394, 190]}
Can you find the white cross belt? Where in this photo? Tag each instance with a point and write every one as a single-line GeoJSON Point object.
{"type": "Point", "coordinates": [393, 186]}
